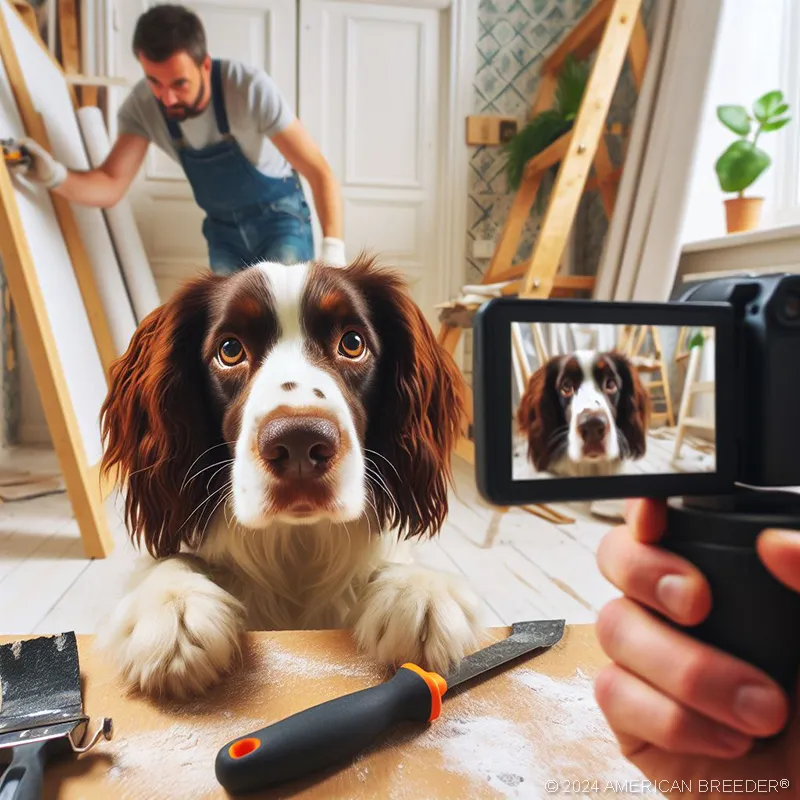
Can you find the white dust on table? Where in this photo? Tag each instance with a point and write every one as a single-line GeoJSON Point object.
{"type": "Point", "coordinates": [562, 735]}
{"type": "Point", "coordinates": [61, 642]}
{"type": "Point", "coordinates": [16, 650]}
{"type": "Point", "coordinates": [282, 661]}
{"type": "Point", "coordinates": [178, 762]}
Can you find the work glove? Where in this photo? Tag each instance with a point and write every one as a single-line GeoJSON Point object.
{"type": "Point", "coordinates": [43, 168]}
{"type": "Point", "coordinates": [333, 252]}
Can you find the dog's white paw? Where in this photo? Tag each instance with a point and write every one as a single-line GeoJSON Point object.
{"type": "Point", "coordinates": [176, 633]}
{"type": "Point", "coordinates": [411, 613]}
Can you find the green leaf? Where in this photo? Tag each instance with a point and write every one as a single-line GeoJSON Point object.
{"type": "Point", "coordinates": [698, 340]}
{"type": "Point", "coordinates": [740, 165]}
{"type": "Point", "coordinates": [571, 84]}
{"type": "Point", "coordinates": [781, 109]}
{"type": "Point", "coordinates": [766, 105]}
{"type": "Point", "coordinates": [735, 118]}
{"type": "Point", "coordinates": [775, 124]}
{"type": "Point", "coordinates": [534, 137]}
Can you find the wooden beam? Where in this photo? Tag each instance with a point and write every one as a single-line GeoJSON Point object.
{"type": "Point", "coordinates": [561, 285]}
{"type": "Point", "coordinates": [512, 228]}
{"type": "Point", "coordinates": [586, 134]}
{"type": "Point", "coordinates": [603, 170]}
{"type": "Point", "coordinates": [549, 157]}
{"type": "Point", "coordinates": [79, 477]}
{"type": "Point", "coordinates": [638, 52]}
{"type": "Point", "coordinates": [35, 128]}
{"type": "Point", "coordinates": [582, 40]}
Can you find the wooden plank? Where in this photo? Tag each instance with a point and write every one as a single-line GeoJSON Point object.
{"type": "Point", "coordinates": [574, 171]}
{"type": "Point", "coordinates": [40, 342]}
{"type": "Point", "coordinates": [638, 52]}
{"type": "Point", "coordinates": [549, 157]}
{"type": "Point", "coordinates": [582, 40]}
{"type": "Point", "coordinates": [603, 168]}
{"type": "Point", "coordinates": [512, 228]}
{"type": "Point", "coordinates": [54, 395]}
{"type": "Point", "coordinates": [560, 285]}
{"type": "Point", "coordinates": [34, 125]}
{"type": "Point", "coordinates": [545, 94]}
{"type": "Point", "coordinates": [68, 36]}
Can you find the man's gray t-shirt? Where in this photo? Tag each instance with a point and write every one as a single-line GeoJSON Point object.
{"type": "Point", "coordinates": [255, 107]}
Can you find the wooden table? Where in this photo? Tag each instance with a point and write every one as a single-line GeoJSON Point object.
{"type": "Point", "coordinates": [506, 737]}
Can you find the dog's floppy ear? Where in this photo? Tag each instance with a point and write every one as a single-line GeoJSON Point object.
{"type": "Point", "coordinates": [633, 418]}
{"type": "Point", "coordinates": [158, 423]}
{"type": "Point", "coordinates": [419, 409]}
{"type": "Point", "coordinates": [538, 413]}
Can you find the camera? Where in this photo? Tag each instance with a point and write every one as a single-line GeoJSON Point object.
{"type": "Point", "coordinates": [691, 401]}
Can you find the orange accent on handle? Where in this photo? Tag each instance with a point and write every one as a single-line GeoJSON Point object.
{"type": "Point", "coordinates": [436, 684]}
{"type": "Point", "coordinates": [243, 747]}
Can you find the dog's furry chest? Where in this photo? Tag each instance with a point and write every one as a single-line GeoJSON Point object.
{"type": "Point", "coordinates": [295, 577]}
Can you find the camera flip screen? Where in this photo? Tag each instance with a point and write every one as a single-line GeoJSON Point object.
{"type": "Point", "coordinates": [587, 400]}
{"type": "Point", "coordinates": [598, 400]}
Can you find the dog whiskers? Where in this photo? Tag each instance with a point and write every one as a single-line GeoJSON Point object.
{"type": "Point", "coordinates": [208, 449]}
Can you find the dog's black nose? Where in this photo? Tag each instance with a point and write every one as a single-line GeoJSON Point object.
{"type": "Point", "coordinates": [592, 426]}
{"type": "Point", "coordinates": [298, 447]}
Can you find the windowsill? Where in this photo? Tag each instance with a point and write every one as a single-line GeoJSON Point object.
{"type": "Point", "coordinates": [763, 235]}
{"type": "Point", "coordinates": [767, 250]}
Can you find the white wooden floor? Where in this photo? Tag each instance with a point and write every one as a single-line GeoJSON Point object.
{"type": "Point", "coordinates": [696, 455]}
{"type": "Point", "coordinates": [534, 569]}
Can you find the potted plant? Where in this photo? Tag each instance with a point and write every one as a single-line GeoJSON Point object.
{"type": "Point", "coordinates": [743, 162]}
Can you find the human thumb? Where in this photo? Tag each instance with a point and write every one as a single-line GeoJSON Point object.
{"type": "Point", "coordinates": [780, 552]}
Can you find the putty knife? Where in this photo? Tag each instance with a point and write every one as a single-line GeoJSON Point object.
{"type": "Point", "coordinates": [337, 730]}
{"type": "Point", "coordinates": [41, 710]}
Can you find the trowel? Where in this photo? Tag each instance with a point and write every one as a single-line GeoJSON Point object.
{"type": "Point", "coordinates": [41, 710]}
{"type": "Point", "coordinates": [338, 730]}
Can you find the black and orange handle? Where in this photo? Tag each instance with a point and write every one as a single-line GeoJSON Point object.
{"type": "Point", "coordinates": [330, 733]}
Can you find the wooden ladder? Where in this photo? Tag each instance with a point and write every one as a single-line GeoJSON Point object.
{"type": "Point", "coordinates": [632, 344]}
{"type": "Point", "coordinates": [613, 29]}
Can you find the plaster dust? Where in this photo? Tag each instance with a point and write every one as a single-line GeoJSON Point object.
{"type": "Point", "coordinates": [504, 743]}
{"type": "Point", "coordinates": [543, 729]}
{"type": "Point", "coordinates": [177, 763]}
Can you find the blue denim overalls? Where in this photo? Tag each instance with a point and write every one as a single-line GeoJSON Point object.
{"type": "Point", "coordinates": [250, 217]}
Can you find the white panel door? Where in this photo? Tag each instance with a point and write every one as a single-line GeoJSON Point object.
{"type": "Point", "coordinates": [369, 95]}
{"type": "Point", "coordinates": [258, 32]}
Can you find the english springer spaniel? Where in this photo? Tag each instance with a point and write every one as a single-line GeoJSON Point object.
{"type": "Point", "coordinates": [283, 433]}
{"type": "Point", "coordinates": [584, 415]}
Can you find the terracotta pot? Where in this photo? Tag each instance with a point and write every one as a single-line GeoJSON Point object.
{"type": "Point", "coordinates": [743, 213]}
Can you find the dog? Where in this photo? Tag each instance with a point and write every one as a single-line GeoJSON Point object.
{"type": "Point", "coordinates": [584, 415]}
{"type": "Point", "coordinates": [283, 436]}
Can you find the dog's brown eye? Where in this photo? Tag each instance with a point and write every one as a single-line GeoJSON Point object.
{"type": "Point", "coordinates": [611, 385]}
{"type": "Point", "coordinates": [566, 388]}
{"type": "Point", "coordinates": [231, 352]}
{"type": "Point", "coordinates": [352, 345]}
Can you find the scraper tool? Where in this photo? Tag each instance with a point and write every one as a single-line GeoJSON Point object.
{"type": "Point", "coordinates": [41, 710]}
{"type": "Point", "coordinates": [336, 731]}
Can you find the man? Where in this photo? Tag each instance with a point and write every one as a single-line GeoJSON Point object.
{"type": "Point", "coordinates": [239, 143]}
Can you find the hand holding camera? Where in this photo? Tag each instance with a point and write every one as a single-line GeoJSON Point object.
{"type": "Point", "coordinates": [565, 411]}
{"type": "Point", "coordinates": [680, 708]}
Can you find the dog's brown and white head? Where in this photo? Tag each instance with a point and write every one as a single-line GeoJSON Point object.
{"type": "Point", "coordinates": [297, 393]}
{"type": "Point", "coordinates": [584, 413]}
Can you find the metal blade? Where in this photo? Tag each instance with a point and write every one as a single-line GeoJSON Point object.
{"type": "Point", "coordinates": [40, 683]}
{"type": "Point", "coordinates": [525, 637]}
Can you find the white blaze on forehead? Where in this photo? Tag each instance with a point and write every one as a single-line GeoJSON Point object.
{"type": "Point", "coordinates": [287, 285]}
{"type": "Point", "coordinates": [287, 362]}
{"type": "Point", "coordinates": [589, 397]}
{"type": "Point", "coordinates": [589, 394]}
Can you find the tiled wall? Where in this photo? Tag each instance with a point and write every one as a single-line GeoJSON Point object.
{"type": "Point", "coordinates": [514, 36]}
